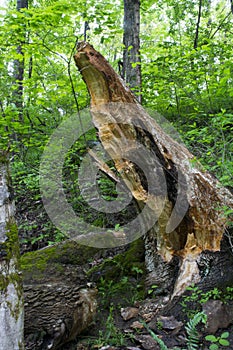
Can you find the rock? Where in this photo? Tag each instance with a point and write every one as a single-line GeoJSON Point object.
{"type": "Point", "coordinates": [137, 325]}
{"type": "Point", "coordinates": [219, 315]}
{"type": "Point", "coordinates": [148, 309]}
{"type": "Point", "coordinates": [82, 347]}
{"type": "Point", "coordinates": [147, 342]}
{"type": "Point", "coordinates": [109, 347]}
{"type": "Point", "coordinates": [129, 312]}
{"type": "Point", "coordinates": [169, 322]}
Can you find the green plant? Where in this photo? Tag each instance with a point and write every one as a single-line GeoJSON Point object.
{"type": "Point", "coordinates": [193, 336]}
{"type": "Point", "coordinates": [111, 335]}
{"type": "Point", "coordinates": [191, 302]}
{"type": "Point", "coordinates": [216, 341]}
{"type": "Point", "coordinates": [152, 289]}
{"type": "Point", "coordinates": [159, 325]}
{"type": "Point", "coordinates": [109, 288]}
{"type": "Point", "coordinates": [137, 270]}
{"type": "Point", "coordinates": [161, 343]}
{"type": "Point", "coordinates": [117, 227]}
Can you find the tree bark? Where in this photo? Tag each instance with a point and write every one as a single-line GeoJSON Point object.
{"type": "Point", "coordinates": [11, 291]}
{"type": "Point", "coordinates": [19, 67]}
{"type": "Point", "coordinates": [197, 26]}
{"type": "Point", "coordinates": [190, 216]}
{"type": "Point", "coordinates": [131, 70]}
{"type": "Point", "coordinates": [60, 301]}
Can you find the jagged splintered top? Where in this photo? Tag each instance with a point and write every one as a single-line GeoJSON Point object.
{"type": "Point", "coordinates": [103, 83]}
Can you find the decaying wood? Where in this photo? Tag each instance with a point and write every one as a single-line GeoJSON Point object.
{"type": "Point", "coordinates": [56, 313]}
{"type": "Point", "coordinates": [122, 124]}
{"type": "Point", "coordinates": [59, 301]}
{"type": "Point", "coordinates": [103, 166]}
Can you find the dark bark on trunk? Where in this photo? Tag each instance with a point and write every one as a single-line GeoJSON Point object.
{"type": "Point", "coordinates": [131, 71]}
{"type": "Point", "coordinates": [190, 216]}
{"type": "Point", "coordinates": [60, 302]}
{"type": "Point", "coordinates": [56, 312]}
{"type": "Point", "coordinates": [19, 69]}
{"type": "Point", "coordinates": [198, 25]}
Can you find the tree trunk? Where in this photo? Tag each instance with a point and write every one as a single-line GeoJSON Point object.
{"type": "Point", "coordinates": [131, 71]}
{"type": "Point", "coordinates": [185, 205]}
{"type": "Point", "coordinates": [197, 26]}
{"type": "Point", "coordinates": [60, 301]}
{"type": "Point", "coordinates": [19, 67]}
{"type": "Point", "coordinates": [11, 291]}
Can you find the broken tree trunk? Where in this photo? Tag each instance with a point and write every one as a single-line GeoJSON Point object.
{"type": "Point", "coordinates": [186, 203]}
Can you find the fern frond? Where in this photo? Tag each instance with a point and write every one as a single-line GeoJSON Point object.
{"type": "Point", "coordinates": [156, 338]}
{"type": "Point", "coordinates": [193, 336]}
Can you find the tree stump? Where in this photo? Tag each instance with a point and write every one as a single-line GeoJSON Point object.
{"type": "Point", "coordinates": [189, 215]}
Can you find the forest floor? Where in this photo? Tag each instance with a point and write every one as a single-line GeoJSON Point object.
{"type": "Point", "coordinates": [130, 319]}
{"type": "Point", "coordinates": [129, 314]}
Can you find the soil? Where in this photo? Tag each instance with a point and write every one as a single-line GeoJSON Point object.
{"type": "Point", "coordinates": [110, 331]}
{"type": "Point", "coordinates": [139, 338]}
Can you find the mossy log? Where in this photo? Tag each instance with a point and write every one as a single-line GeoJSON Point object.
{"type": "Point", "coordinates": [190, 217]}
{"type": "Point", "coordinates": [59, 301]}
{"type": "Point", "coordinates": [60, 297]}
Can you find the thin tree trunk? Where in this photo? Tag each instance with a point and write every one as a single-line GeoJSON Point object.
{"type": "Point", "coordinates": [197, 25]}
{"type": "Point", "coordinates": [11, 291]}
{"type": "Point", "coordinates": [19, 68]}
{"type": "Point", "coordinates": [131, 71]}
{"type": "Point", "coordinates": [189, 214]}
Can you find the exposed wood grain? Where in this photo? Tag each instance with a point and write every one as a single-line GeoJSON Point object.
{"type": "Point", "coordinates": [122, 125]}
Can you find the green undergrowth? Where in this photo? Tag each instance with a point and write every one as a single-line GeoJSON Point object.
{"type": "Point", "coordinates": [120, 279]}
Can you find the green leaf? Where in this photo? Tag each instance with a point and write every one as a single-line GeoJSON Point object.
{"type": "Point", "coordinates": [213, 347]}
{"type": "Point", "coordinates": [224, 342]}
{"type": "Point", "coordinates": [211, 338]}
{"type": "Point", "coordinates": [225, 335]}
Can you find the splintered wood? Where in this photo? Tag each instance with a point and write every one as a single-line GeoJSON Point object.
{"type": "Point", "coordinates": [191, 213]}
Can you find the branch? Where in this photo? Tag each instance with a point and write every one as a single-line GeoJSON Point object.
{"type": "Point", "coordinates": [103, 166]}
{"type": "Point", "coordinates": [220, 25]}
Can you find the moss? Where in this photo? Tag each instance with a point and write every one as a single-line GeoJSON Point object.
{"type": "Point", "coordinates": [122, 264]}
{"type": "Point", "coordinates": [11, 246]}
{"type": "Point", "coordinates": [13, 278]}
{"type": "Point", "coordinates": [121, 280]}
{"type": "Point", "coordinates": [16, 280]}
{"type": "Point", "coordinates": [12, 241]}
{"type": "Point", "coordinates": [3, 157]}
{"type": "Point", "coordinates": [68, 252]}
{"type": "Point", "coordinates": [37, 264]}
{"type": "Point", "coordinates": [10, 254]}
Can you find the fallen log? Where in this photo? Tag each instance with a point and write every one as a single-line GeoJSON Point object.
{"type": "Point", "coordinates": [186, 214]}
{"type": "Point", "coordinates": [59, 301]}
